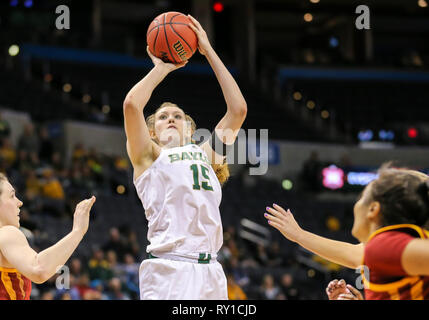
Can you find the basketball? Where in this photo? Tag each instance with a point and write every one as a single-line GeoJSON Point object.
{"type": "Point", "coordinates": [170, 38]}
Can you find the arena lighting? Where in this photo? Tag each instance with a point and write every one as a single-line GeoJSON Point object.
{"type": "Point", "coordinates": [422, 3]}
{"type": "Point", "coordinates": [105, 109]}
{"type": "Point", "coordinates": [297, 95]}
{"type": "Point", "coordinates": [333, 177]}
{"type": "Point", "coordinates": [365, 135]}
{"type": "Point", "coordinates": [28, 3]}
{"type": "Point", "coordinates": [387, 135]}
{"type": "Point", "coordinates": [333, 42]}
{"type": "Point", "coordinates": [86, 98]}
{"type": "Point", "coordinates": [218, 6]}
{"type": "Point", "coordinates": [361, 178]}
{"type": "Point", "coordinates": [325, 114]}
{"type": "Point", "coordinates": [13, 3]}
{"type": "Point", "coordinates": [48, 77]}
{"type": "Point", "coordinates": [13, 50]}
{"type": "Point", "coordinates": [287, 184]}
{"type": "Point", "coordinates": [67, 87]}
{"type": "Point", "coordinates": [314, 1]}
{"type": "Point", "coordinates": [120, 189]}
{"type": "Point", "coordinates": [311, 104]}
{"type": "Point", "coordinates": [308, 17]}
{"type": "Point", "coordinates": [412, 133]}
{"type": "Point", "coordinates": [311, 273]}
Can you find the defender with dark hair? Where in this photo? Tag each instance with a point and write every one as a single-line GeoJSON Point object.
{"type": "Point", "coordinates": [390, 217]}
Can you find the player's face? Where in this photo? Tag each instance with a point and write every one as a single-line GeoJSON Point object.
{"type": "Point", "coordinates": [361, 225]}
{"type": "Point", "coordinates": [9, 205]}
{"type": "Point", "coordinates": [171, 126]}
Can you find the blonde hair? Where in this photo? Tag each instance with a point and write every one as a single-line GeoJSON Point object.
{"type": "Point", "coordinates": [221, 170]}
{"type": "Point", "coordinates": [2, 179]}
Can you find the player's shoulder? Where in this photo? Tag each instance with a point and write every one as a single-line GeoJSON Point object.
{"type": "Point", "coordinates": [393, 240]}
{"type": "Point", "coordinates": [7, 231]}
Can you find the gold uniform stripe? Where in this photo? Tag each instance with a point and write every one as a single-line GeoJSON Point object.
{"type": "Point", "coordinates": [417, 291]}
{"type": "Point", "coordinates": [21, 285]}
{"type": "Point", "coordinates": [8, 285]}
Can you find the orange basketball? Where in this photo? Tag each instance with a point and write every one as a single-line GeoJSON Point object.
{"type": "Point", "coordinates": [170, 38]}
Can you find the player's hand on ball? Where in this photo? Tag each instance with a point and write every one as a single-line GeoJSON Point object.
{"type": "Point", "coordinates": [283, 221]}
{"type": "Point", "coordinates": [168, 66]}
{"type": "Point", "coordinates": [203, 40]}
{"type": "Point", "coordinates": [81, 215]}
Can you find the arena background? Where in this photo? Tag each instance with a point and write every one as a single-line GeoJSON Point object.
{"type": "Point", "coordinates": [337, 101]}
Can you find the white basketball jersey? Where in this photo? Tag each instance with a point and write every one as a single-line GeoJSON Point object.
{"type": "Point", "coordinates": [181, 196]}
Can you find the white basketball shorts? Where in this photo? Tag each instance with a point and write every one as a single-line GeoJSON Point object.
{"type": "Point", "coordinates": [165, 279]}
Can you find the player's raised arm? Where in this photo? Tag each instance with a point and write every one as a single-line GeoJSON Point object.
{"type": "Point", "coordinates": [39, 267]}
{"type": "Point", "coordinates": [235, 102]}
{"type": "Point", "coordinates": [139, 143]}
{"type": "Point", "coordinates": [343, 253]}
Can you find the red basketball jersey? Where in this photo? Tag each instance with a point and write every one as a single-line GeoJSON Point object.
{"type": "Point", "coordinates": [387, 279]}
{"type": "Point", "coordinates": [13, 285]}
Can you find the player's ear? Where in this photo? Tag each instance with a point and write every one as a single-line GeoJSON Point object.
{"type": "Point", "coordinates": [153, 135]}
{"type": "Point", "coordinates": [374, 210]}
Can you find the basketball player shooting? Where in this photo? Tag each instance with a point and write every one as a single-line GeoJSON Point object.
{"type": "Point", "coordinates": [179, 184]}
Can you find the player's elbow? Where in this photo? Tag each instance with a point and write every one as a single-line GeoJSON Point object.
{"type": "Point", "coordinates": [240, 110]}
{"type": "Point", "coordinates": [39, 276]}
{"type": "Point", "coordinates": [128, 103]}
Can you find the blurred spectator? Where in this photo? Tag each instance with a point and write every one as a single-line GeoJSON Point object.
{"type": "Point", "coordinates": [76, 267]}
{"type": "Point", "coordinates": [25, 221]}
{"type": "Point", "coordinates": [132, 244]}
{"type": "Point", "coordinates": [65, 296]}
{"type": "Point", "coordinates": [288, 288]}
{"type": "Point", "coordinates": [48, 295]}
{"type": "Point", "coordinates": [28, 141]}
{"type": "Point", "coordinates": [46, 148]}
{"type": "Point", "coordinates": [130, 275]}
{"type": "Point", "coordinates": [4, 128]}
{"type": "Point", "coordinates": [115, 290]}
{"type": "Point", "coordinates": [239, 273]}
{"type": "Point", "coordinates": [234, 290]}
{"type": "Point", "coordinates": [79, 152]}
{"type": "Point", "coordinates": [84, 289]}
{"type": "Point", "coordinates": [33, 185]}
{"type": "Point", "coordinates": [269, 290]}
{"type": "Point", "coordinates": [57, 163]}
{"type": "Point", "coordinates": [310, 172]}
{"type": "Point", "coordinates": [7, 152]}
{"type": "Point", "coordinates": [53, 193]}
{"type": "Point", "coordinates": [262, 255]}
{"type": "Point", "coordinates": [98, 267]}
{"type": "Point", "coordinates": [116, 244]}
{"type": "Point", "coordinates": [274, 255]}
{"type": "Point", "coordinates": [98, 286]}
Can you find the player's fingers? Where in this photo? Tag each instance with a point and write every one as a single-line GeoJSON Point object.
{"type": "Point", "coordinates": [342, 283]}
{"type": "Point", "coordinates": [345, 296]}
{"type": "Point", "coordinates": [275, 225]}
{"type": "Point", "coordinates": [193, 28]}
{"type": "Point", "coordinates": [195, 21]}
{"type": "Point", "coordinates": [332, 284]}
{"type": "Point", "coordinates": [355, 292]}
{"type": "Point", "coordinates": [272, 218]}
{"type": "Point", "coordinates": [275, 212]}
{"type": "Point", "coordinates": [280, 209]}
